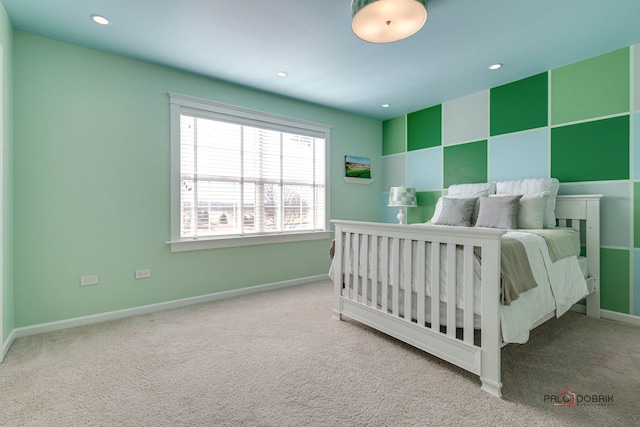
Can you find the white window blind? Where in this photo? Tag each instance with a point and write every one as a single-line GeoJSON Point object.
{"type": "Point", "coordinates": [245, 177]}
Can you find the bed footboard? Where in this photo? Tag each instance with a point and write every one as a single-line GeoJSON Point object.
{"type": "Point", "coordinates": [378, 289]}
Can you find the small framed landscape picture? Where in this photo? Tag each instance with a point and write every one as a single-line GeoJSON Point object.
{"type": "Point", "coordinates": [357, 167]}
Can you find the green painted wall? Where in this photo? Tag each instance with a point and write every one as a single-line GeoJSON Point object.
{"type": "Point", "coordinates": [92, 169]}
{"type": "Point", "coordinates": [423, 128]}
{"type": "Point", "coordinates": [574, 146]}
{"type": "Point", "coordinates": [7, 287]}
{"type": "Point", "coordinates": [593, 88]}
{"type": "Point", "coordinates": [519, 105]}
{"type": "Point", "coordinates": [614, 286]}
{"type": "Point", "coordinates": [465, 163]}
{"type": "Point", "coordinates": [394, 135]}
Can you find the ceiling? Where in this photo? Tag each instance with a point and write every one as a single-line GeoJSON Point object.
{"type": "Point", "coordinates": [248, 41]}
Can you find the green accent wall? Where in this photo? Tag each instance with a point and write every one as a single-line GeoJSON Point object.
{"type": "Point", "coordinates": [394, 136]}
{"type": "Point", "coordinates": [465, 163]}
{"type": "Point", "coordinates": [578, 123]}
{"type": "Point", "coordinates": [424, 128]}
{"type": "Point", "coordinates": [92, 185]}
{"type": "Point", "coordinates": [593, 88]}
{"type": "Point", "coordinates": [601, 144]}
{"type": "Point", "coordinates": [426, 207]}
{"type": "Point", "coordinates": [520, 105]}
{"type": "Point", "coordinates": [614, 283]}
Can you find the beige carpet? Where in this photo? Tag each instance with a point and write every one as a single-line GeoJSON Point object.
{"type": "Point", "coordinates": [278, 358]}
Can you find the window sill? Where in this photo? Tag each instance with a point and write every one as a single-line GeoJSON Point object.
{"type": "Point", "coordinates": [230, 242]}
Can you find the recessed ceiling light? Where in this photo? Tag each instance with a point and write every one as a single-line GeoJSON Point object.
{"type": "Point", "coordinates": [386, 105]}
{"type": "Point", "coordinates": [281, 74]}
{"type": "Point", "coordinates": [99, 19]}
{"type": "Point", "coordinates": [495, 66]}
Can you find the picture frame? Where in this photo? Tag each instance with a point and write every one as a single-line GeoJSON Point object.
{"type": "Point", "coordinates": [357, 167]}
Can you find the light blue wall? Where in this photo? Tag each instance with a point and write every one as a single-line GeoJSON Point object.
{"type": "Point", "coordinates": [92, 169]}
{"type": "Point", "coordinates": [515, 155]}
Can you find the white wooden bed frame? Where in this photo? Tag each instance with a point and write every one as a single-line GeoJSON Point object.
{"type": "Point", "coordinates": [353, 299]}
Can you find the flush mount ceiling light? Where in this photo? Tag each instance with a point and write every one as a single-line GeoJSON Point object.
{"type": "Point", "coordinates": [99, 19]}
{"type": "Point", "coordinates": [281, 74]}
{"type": "Point", "coordinates": [495, 66]}
{"type": "Point", "coordinates": [385, 21]}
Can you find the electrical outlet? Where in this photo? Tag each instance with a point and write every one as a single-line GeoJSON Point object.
{"type": "Point", "coordinates": [143, 274]}
{"type": "Point", "coordinates": [89, 280]}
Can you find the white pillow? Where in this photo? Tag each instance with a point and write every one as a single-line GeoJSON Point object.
{"type": "Point", "coordinates": [532, 186]}
{"type": "Point", "coordinates": [438, 210]}
{"type": "Point", "coordinates": [532, 210]}
{"type": "Point", "coordinates": [489, 187]}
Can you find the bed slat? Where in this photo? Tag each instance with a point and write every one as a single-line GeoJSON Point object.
{"type": "Point", "coordinates": [408, 292]}
{"type": "Point", "coordinates": [356, 262]}
{"type": "Point", "coordinates": [420, 284]}
{"type": "Point", "coordinates": [374, 271]}
{"type": "Point", "coordinates": [365, 268]}
{"type": "Point", "coordinates": [468, 294]}
{"type": "Point", "coordinates": [435, 286]}
{"type": "Point", "coordinates": [347, 264]}
{"type": "Point", "coordinates": [395, 268]}
{"type": "Point", "coordinates": [451, 290]}
{"type": "Point", "coordinates": [385, 274]}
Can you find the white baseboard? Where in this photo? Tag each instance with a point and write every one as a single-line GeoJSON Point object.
{"type": "Point", "coordinates": [7, 344]}
{"type": "Point", "coordinates": [610, 315]}
{"type": "Point", "coordinates": [620, 317]}
{"type": "Point", "coordinates": [119, 314]}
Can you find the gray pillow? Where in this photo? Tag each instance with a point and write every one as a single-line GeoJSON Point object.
{"type": "Point", "coordinates": [456, 211]}
{"type": "Point", "coordinates": [498, 211]}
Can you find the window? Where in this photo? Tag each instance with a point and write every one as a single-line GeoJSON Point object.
{"type": "Point", "coordinates": [245, 177]}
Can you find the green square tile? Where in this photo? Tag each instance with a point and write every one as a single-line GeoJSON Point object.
{"type": "Point", "coordinates": [636, 215]}
{"type": "Point", "coordinates": [591, 151]}
{"type": "Point", "coordinates": [424, 128]}
{"type": "Point", "coordinates": [394, 136]}
{"type": "Point", "coordinates": [614, 279]}
{"type": "Point", "coordinates": [426, 206]}
{"type": "Point", "coordinates": [465, 163]}
{"type": "Point", "coordinates": [519, 105]}
{"type": "Point", "coordinates": [596, 87]}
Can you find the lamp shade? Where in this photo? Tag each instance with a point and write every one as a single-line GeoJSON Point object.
{"type": "Point", "coordinates": [385, 21]}
{"type": "Point", "coordinates": [403, 196]}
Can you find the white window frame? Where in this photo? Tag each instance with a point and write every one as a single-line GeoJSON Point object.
{"type": "Point", "coordinates": [214, 109]}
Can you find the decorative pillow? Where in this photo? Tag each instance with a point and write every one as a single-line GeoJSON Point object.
{"type": "Point", "coordinates": [532, 186]}
{"type": "Point", "coordinates": [456, 211]}
{"type": "Point", "coordinates": [498, 211]}
{"type": "Point", "coordinates": [532, 210]}
{"type": "Point", "coordinates": [474, 216]}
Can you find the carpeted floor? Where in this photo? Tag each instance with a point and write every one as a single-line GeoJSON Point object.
{"type": "Point", "coordinates": [278, 358]}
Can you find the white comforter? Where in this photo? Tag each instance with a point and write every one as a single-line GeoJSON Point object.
{"type": "Point", "coordinates": [560, 285]}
